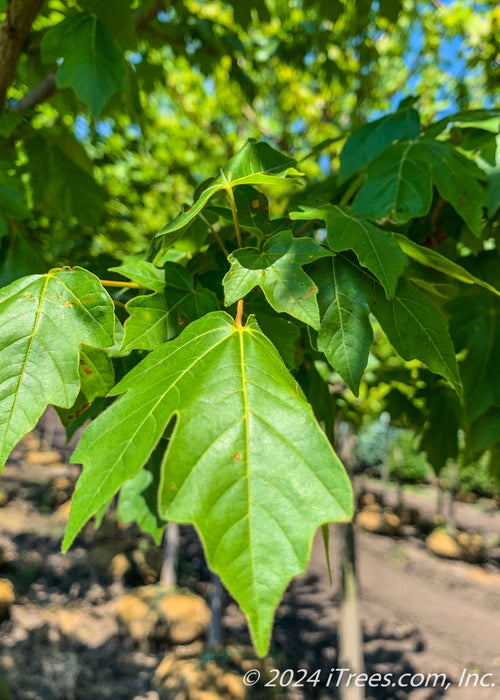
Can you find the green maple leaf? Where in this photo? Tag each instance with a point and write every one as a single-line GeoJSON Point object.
{"type": "Point", "coordinates": [475, 325]}
{"type": "Point", "coordinates": [91, 62]}
{"type": "Point", "coordinates": [247, 462]}
{"type": "Point", "coordinates": [156, 318]}
{"type": "Point", "coordinates": [377, 250]}
{"type": "Point", "coordinates": [345, 335]}
{"type": "Point", "coordinates": [416, 329]}
{"type": "Point", "coordinates": [256, 164]}
{"type": "Point", "coordinates": [398, 184]}
{"type": "Point", "coordinates": [277, 269]}
{"type": "Point", "coordinates": [96, 379]}
{"type": "Point", "coordinates": [44, 320]}
{"type": "Point", "coordinates": [370, 140]}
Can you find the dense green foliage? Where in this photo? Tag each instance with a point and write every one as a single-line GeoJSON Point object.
{"type": "Point", "coordinates": [291, 290]}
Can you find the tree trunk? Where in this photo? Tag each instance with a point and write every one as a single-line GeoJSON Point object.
{"type": "Point", "coordinates": [350, 633]}
{"type": "Point", "coordinates": [214, 633]}
{"type": "Point", "coordinates": [398, 464]}
{"type": "Point", "coordinates": [439, 499]}
{"type": "Point", "coordinates": [452, 493]}
{"type": "Point", "coordinates": [171, 538]}
{"type": "Point", "coordinates": [13, 34]}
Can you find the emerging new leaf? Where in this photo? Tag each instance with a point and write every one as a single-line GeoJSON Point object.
{"type": "Point", "coordinates": [247, 462]}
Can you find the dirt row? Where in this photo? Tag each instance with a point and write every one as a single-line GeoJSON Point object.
{"type": "Point", "coordinates": [420, 613]}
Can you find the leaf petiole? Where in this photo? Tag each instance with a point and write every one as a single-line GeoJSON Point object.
{"type": "Point", "coordinates": [239, 314]}
{"type": "Point", "coordinates": [116, 283]}
{"type": "Point", "coordinates": [234, 211]}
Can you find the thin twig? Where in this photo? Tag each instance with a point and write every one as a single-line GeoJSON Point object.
{"type": "Point", "coordinates": [215, 235]}
{"type": "Point", "coordinates": [350, 191]}
{"type": "Point", "coordinates": [304, 227]}
{"type": "Point", "coordinates": [41, 92]}
{"type": "Point", "coordinates": [115, 283]}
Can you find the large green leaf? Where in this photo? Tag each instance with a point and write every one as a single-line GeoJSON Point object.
{"type": "Point", "coordinates": [430, 258]}
{"type": "Point", "coordinates": [156, 318]}
{"type": "Point", "coordinates": [456, 178]}
{"type": "Point", "coordinates": [345, 335]}
{"type": "Point", "coordinates": [376, 249]}
{"type": "Point", "coordinates": [440, 437]}
{"type": "Point", "coordinates": [475, 325]}
{"type": "Point", "coordinates": [138, 500]}
{"type": "Point", "coordinates": [256, 164]}
{"type": "Point", "coordinates": [485, 431]}
{"type": "Point", "coordinates": [416, 329]}
{"type": "Point", "coordinates": [12, 201]}
{"type": "Point", "coordinates": [44, 320]}
{"type": "Point", "coordinates": [494, 192]}
{"type": "Point", "coordinates": [96, 379]}
{"type": "Point", "coordinates": [398, 184]}
{"type": "Point", "coordinates": [247, 463]}
{"type": "Point", "coordinates": [118, 18]}
{"type": "Point", "coordinates": [142, 272]}
{"type": "Point", "coordinates": [61, 187]}
{"type": "Point", "coordinates": [369, 141]}
{"type": "Point", "coordinates": [91, 63]}
{"type": "Point", "coordinates": [277, 269]}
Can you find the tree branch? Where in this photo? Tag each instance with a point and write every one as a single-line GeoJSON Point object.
{"type": "Point", "coordinates": [13, 34]}
{"type": "Point", "coordinates": [143, 18]}
{"type": "Point", "coordinates": [47, 87]}
{"type": "Point", "coordinates": [41, 92]}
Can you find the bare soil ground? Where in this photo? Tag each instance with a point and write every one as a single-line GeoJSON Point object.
{"type": "Point", "coordinates": [420, 614]}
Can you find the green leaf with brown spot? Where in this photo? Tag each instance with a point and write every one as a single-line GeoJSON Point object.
{"type": "Point", "coordinates": [247, 462]}
{"type": "Point", "coordinates": [277, 270]}
{"type": "Point", "coordinates": [44, 320]}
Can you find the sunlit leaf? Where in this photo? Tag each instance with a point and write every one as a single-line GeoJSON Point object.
{"type": "Point", "coordinates": [44, 320]}
{"type": "Point", "coordinates": [247, 463]}
{"type": "Point", "coordinates": [277, 270]}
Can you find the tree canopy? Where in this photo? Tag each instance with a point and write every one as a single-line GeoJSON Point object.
{"type": "Point", "coordinates": [246, 219]}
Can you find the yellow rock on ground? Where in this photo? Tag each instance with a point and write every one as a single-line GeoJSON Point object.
{"type": "Point", "coordinates": [156, 612]}
{"type": "Point", "coordinates": [442, 544]}
{"type": "Point", "coordinates": [43, 458]}
{"type": "Point", "coordinates": [7, 597]}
